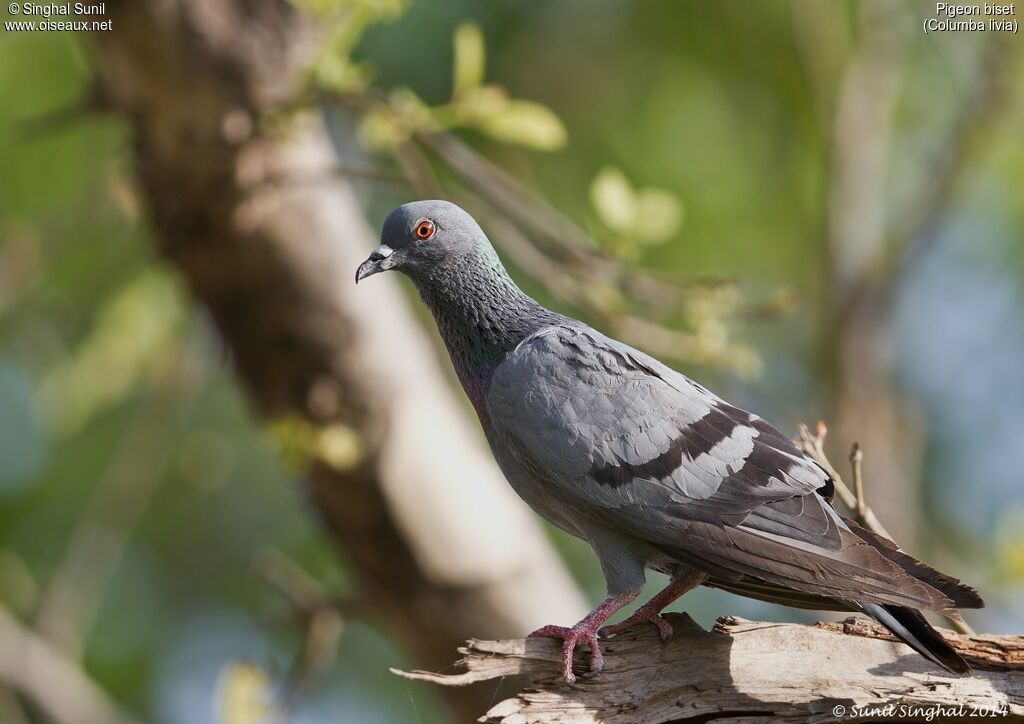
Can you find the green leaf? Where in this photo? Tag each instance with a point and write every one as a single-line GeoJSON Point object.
{"type": "Point", "coordinates": [339, 446]}
{"type": "Point", "coordinates": [527, 124]}
{"type": "Point", "coordinates": [613, 199]}
{"type": "Point", "coordinates": [468, 42]}
{"type": "Point", "coordinates": [244, 695]}
{"type": "Point", "coordinates": [659, 214]}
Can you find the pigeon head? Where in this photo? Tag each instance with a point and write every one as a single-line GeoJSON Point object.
{"type": "Point", "coordinates": [422, 237]}
{"type": "Point", "coordinates": [480, 312]}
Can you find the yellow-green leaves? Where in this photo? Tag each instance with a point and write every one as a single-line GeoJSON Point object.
{"type": "Point", "coordinates": [613, 199]}
{"type": "Point", "coordinates": [474, 104]}
{"type": "Point", "coordinates": [339, 446]}
{"type": "Point", "coordinates": [526, 123]}
{"type": "Point", "coordinates": [385, 127]}
{"type": "Point", "coordinates": [659, 214]}
{"type": "Point", "coordinates": [341, 24]}
{"type": "Point", "coordinates": [468, 43]}
{"type": "Point", "coordinates": [245, 695]}
{"type": "Point", "coordinates": [635, 217]}
{"type": "Point", "coordinates": [299, 441]}
{"type": "Point", "coordinates": [488, 108]}
{"type": "Point", "coordinates": [708, 314]}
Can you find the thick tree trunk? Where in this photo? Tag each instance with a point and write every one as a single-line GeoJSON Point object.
{"type": "Point", "coordinates": [750, 671]}
{"type": "Point", "coordinates": [867, 405]}
{"type": "Point", "coordinates": [268, 238]}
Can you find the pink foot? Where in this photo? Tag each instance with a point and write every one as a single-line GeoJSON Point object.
{"type": "Point", "coordinates": [582, 632]}
{"type": "Point", "coordinates": [644, 614]}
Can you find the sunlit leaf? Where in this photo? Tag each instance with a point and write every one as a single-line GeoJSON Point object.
{"type": "Point", "coordinates": [468, 43]}
{"type": "Point", "coordinates": [613, 199]}
{"type": "Point", "coordinates": [658, 215]}
{"type": "Point", "coordinates": [479, 104]}
{"type": "Point", "coordinates": [413, 112]}
{"type": "Point", "coordinates": [339, 446]}
{"type": "Point", "coordinates": [295, 438]}
{"type": "Point", "coordinates": [527, 124]}
{"type": "Point", "coordinates": [744, 361]}
{"type": "Point", "coordinates": [380, 130]}
{"type": "Point", "coordinates": [341, 24]}
{"type": "Point", "coordinates": [244, 695]}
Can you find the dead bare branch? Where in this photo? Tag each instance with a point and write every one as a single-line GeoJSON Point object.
{"type": "Point", "coordinates": [814, 446]}
{"type": "Point", "coordinates": [745, 671]}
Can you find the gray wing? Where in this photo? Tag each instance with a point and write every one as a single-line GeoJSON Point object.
{"type": "Point", "coordinates": [630, 443]}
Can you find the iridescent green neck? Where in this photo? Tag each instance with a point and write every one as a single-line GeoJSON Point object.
{"type": "Point", "coordinates": [480, 312]}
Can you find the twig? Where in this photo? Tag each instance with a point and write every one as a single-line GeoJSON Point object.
{"type": "Point", "coordinates": [566, 243]}
{"type": "Point", "coordinates": [814, 447]}
{"type": "Point", "coordinates": [856, 460]}
{"type": "Point", "coordinates": [511, 198]}
{"type": "Point", "coordinates": [300, 589]}
{"type": "Point", "coordinates": [92, 101]}
{"type": "Point", "coordinates": [53, 681]}
{"type": "Point", "coordinates": [551, 248]}
{"type": "Point", "coordinates": [321, 619]}
{"type": "Point", "coordinates": [363, 173]}
{"type": "Point", "coordinates": [656, 338]}
{"type": "Point", "coordinates": [561, 284]}
{"type": "Point", "coordinates": [417, 170]}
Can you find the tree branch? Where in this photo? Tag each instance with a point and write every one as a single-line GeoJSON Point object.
{"type": "Point", "coordinates": [813, 446]}
{"type": "Point", "coordinates": [52, 681]}
{"type": "Point", "coordinates": [746, 671]}
{"type": "Point", "coordinates": [273, 263]}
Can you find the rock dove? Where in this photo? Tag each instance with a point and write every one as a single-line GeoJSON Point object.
{"type": "Point", "coordinates": [647, 466]}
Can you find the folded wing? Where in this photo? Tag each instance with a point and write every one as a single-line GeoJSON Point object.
{"type": "Point", "coordinates": [638, 447]}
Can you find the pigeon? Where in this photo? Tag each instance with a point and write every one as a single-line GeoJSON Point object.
{"type": "Point", "coordinates": [651, 469]}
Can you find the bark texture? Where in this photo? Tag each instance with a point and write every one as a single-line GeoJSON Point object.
{"type": "Point", "coordinates": [750, 671]}
{"type": "Point", "coordinates": [268, 236]}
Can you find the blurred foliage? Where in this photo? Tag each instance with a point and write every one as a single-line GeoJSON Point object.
{"type": "Point", "coordinates": [342, 24]}
{"type": "Point", "coordinates": [129, 344]}
{"type": "Point", "coordinates": [636, 217]}
{"type": "Point", "coordinates": [299, 442]}
{"type": "Point", "coordinates": [473, 104]}
{"type": "Point", "coordinates": [689, 137]}
{"type": "Point", "coordinates": [245, 695]}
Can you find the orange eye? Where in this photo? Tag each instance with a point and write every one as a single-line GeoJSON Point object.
{"type": "Point", "coordinates": [424, 229]}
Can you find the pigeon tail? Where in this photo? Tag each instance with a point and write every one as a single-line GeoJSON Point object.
{"type": "Point", "coordinates": [911, 627]}
{"type": "Point", "coordinates": [961, 595]}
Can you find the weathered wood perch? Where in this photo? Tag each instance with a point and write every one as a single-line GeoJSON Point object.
{"type": "Point", "coordinates": [744, 671]}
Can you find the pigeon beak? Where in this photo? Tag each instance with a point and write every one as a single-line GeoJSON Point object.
{"type": "Point", "coordinates": [378, 261]}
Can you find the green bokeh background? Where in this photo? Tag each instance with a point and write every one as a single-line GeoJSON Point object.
{"type": "Point", "coordinates": [100, 343]}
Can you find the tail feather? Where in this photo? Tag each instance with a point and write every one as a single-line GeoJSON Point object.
{"type": "Point", "coordinates": [909, 625]}
{"type": "Point", "coordinates": [961, 595]}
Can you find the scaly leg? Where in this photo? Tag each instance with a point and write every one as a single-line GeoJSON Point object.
{"type": "Point", "coordinates": [651, 611]}
{"type": "Point", "coordinates": [586, 632]}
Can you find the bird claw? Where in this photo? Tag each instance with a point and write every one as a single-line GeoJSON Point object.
{"type": "Point", "coordinates": [665, 630]}
{"type": "Point", "coordinates": [571, 636]}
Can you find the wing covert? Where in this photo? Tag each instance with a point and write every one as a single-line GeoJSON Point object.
{"type": "Point", "coordinates": [615, 427]}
